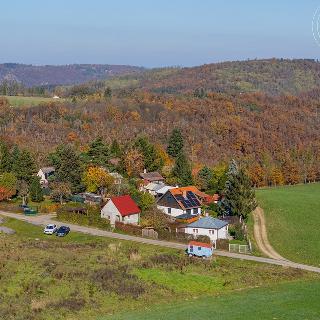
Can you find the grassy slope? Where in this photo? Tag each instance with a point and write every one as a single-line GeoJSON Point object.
{"type": "Point", "coordinates": [20, 101]}
{"type": "Point", "coordinates": [292, 301]}
{"type": "Point", "coordinates": [45, 277]}
{"type": "Point", "coordinates": [293, 220]}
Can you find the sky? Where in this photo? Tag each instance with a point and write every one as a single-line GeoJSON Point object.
{"type": "Point", "coordinates": [155, 33]}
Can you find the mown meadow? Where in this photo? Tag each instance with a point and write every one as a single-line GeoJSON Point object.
{"type": "Point", "coordinates": [86, 277]}
{"type": "Point", "coordinates": [293, 220]}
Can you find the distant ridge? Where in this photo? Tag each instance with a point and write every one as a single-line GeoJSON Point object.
{"type": "Point", "coordinates": [48, 75]}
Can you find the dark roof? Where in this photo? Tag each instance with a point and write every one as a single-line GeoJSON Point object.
{"type": "Point", "coordinates": [185, 216]}
{"type": "Point", "coordinates": [208, 223]}
{"type": "Point", "coordinates": [186, 199]}
{"type": "Point", "coordinates": [151, 176]}
{"type": "Point", "coordinates": [125, 205]}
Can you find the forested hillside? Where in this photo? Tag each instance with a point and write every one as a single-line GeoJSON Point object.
{"type": "Point", "coordinates": [271, 76]}
{"type": "Point", "coordinates": [31, 75]}
{"type": "Point", "coordinates": [277, 138]}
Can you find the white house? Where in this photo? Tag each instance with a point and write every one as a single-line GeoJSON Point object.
{"type": "Point", "coordinates": [122, 209]}
{"type": "Point", "coordinates": [44, 174]}
{"type": "Point", "coordinates": [213, 228]}
{"type": "Point", "coordinates": [178, 201]}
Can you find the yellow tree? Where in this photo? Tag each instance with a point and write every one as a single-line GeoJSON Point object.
{"type": "Point", "coordinates": [97, 179]}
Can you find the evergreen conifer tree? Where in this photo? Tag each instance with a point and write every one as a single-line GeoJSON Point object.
{"type": "Point", "coordinates": [35, 190]}
{"type": "Point", "coordinates": [239, 197]}
{"type": "Point", "coordinates": [182, 170]}
{"type": "Point", "coordinates": [175, 144]}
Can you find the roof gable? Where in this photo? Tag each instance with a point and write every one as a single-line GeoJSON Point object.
{"type": "Point", "coordinates": [152, 176]}
{"type": "Point", "coordinates": [125, 205]}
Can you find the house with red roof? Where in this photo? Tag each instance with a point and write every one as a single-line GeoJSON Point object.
{"type": "Point", "coordinates": [122, 209]}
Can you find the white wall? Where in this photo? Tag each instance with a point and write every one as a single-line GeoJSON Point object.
{"type": "Point", "coordinates": [217, 234]}
{"type": "Point", "coordinates": [110, 212]}
{"type": "Point", "coordinates": [174, 212]}
{"type": "Point", "coordinates": [42, 176]}
{"type": "Point", "coordinates": [132, 219]}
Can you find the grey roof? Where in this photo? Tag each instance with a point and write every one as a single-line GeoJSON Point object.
{"type": "Point", "coordinates": [208, 223]}
{"type": "Point", "coordinates": [151, 176]}
{"type": "Point", "coordinates": [48, 169]}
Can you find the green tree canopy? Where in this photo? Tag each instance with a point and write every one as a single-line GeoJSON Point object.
{"type": "Point", "coordinates": [151, 158]}
{"type": "Point", "coordinates": [205, 176]}
{"type": "Point", "coordinates": [239, 197]}
{"type": "Point", "coordinates": [182, 170]}
{"type": "Point", "coordinates": [98, 152]}
{"type": "Point", "coordinates": [23, 165]}
{"type": "Point", "coordinates": [175, 144]}
{"type": "Point", "coordinates": [68, 166]}
{"type": "Point", "coordinates": [35, 190]}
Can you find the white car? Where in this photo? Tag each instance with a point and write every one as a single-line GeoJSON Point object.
{"type": "Point", "coordinates": [50, 229]}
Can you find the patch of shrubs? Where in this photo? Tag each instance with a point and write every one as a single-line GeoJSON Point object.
{"type": "Point", "coordinates": [71, 303]}
{"type": "Point", "coordinates": [87, 216]}
{"type": "Point", "coordinates": [119, 281]}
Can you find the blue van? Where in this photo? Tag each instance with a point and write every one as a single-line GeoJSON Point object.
{"type": "Point", "coordinates": [199, 249]}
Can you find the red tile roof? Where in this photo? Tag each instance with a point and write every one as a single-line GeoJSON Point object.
{"type": "Point", "coordinates": [125, 205]}
{"type": "Point", "coordinates": [200, 244]}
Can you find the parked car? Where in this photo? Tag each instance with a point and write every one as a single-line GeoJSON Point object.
{"type": "Point", "coordinates": [199, 249]}
{"type": "Point", "coordinates": [62, 231]}
{"type": "Point", "coordinates": [50, 229]}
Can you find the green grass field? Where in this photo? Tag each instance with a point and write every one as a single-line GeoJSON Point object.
{"type": "Point", "coordinates": [292, 301]}
{"type": "Point", "coordinates": [20, 101]}
{"type": "Point", "coordinates": [86, 277]}
{"type": "Point", "coordinates": [293, 221]}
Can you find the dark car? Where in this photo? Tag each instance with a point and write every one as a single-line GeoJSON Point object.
{"type": "Point", "coordinates": [62, 231]}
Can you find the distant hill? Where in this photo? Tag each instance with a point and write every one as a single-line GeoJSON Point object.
{"type": "Point", "coordinates": [272, 76]}
{"type": "Point", "coordinates": [30, 75]}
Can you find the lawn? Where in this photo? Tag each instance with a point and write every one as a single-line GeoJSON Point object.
{"type": "Point", "coordinates": [294, 301]}
{"type": "Point", "coordinates": [86, 277]}
{"type": "Point", "coordinates": [21, 101]}
{"type": "Point", "coordinates": [293, 221]}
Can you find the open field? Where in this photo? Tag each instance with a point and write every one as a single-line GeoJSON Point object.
{"type": "Point", "coordinates": [293, 220]}
{"type": "Point", "coordinates": [20, 101]}
{"type": "Point", "coordinates": [294, 301]}
{"type": "Point", "coordinates": [85, 277]}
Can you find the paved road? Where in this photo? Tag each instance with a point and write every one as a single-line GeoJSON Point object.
{"type": "Point", "coordinates": [261, 237]}
{"type": "Point", "coordinates": [42, 220]}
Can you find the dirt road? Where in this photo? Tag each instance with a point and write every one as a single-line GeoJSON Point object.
{"type": "Point", "coordinates": [261, 237]}
{"type": "Point", "coordinates": [43, 220]}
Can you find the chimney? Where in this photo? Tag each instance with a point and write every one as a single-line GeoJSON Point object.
{"type": "Point", "coordinates": [184, 193]}
{"type": "Point", "coordinates": [144, 170]}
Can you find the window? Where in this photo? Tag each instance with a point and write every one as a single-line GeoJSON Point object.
{"type": "Point", "coordinates": [188, 211]}
{"type": "Point", "coordinates": [199, 248]}
{"type": "Point", "coordinates": [195, 230]}
{"type": "Point", "coordinates": [195, 211]}
{"type": "Point", "coordinates": [191, 248]}
{"type": "Point", "coordinates": [169, 210]}
{"type": "Point", "coordinates": [211, 231]}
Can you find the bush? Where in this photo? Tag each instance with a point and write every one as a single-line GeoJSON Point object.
{"type": "Point", "coordinates": [90, 218]}
{"type": "Point", "coordinates": [236, 231]}
{"type": "Point", "coordinates": [128, 228]}
{"type": "Point", "coordinates": [204, 239]}
{"type": "Point", "coordinates": [118, 280]}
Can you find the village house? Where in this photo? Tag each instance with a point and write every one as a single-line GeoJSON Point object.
{"type": "Point", "coordinates": [178, 201]}
{"type": "Point", "coordinates": [207, 226]}
{"type": "Point", "coordinates": [44, 174]}
{"type": "Point", "coordinates": [122, 209]}
{"type": "Point", "coordinates": [148, 177]}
